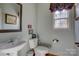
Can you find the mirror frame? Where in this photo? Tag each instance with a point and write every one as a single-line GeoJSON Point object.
{"type": "Point", "coordinates": [15, 30]}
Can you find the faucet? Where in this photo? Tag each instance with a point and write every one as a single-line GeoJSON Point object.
{"type": "Point", "coordinates": [11, 41]}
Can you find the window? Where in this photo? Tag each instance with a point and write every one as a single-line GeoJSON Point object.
{"type": "Point", "coordinates": [61, 19]}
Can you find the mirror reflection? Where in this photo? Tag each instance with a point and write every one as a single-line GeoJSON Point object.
{"type": "Point", "coordinates": [10, 16]}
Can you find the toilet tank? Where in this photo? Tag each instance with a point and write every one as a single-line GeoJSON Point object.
{"type": "Point", "coordinates": [33, 43]}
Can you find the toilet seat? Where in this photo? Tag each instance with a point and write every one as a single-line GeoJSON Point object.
{"type": "Point", "coordinates": [41, 50]}
{"type": "Point", "coordinates": [38, 50]}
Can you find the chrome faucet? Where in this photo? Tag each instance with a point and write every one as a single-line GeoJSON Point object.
{"type": "Point", "coordinates": [11, 40]}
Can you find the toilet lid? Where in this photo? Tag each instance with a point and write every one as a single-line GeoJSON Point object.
{"type": "Point", "coordinates": [41, 48]}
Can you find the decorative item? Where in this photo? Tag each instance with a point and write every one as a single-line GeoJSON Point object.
{"type": "Point", "coordinates": [30, 31]}
{"type": "Point", "coordinates": [29, 26]}
{"type": "Point", "coordinates": [10, 19]}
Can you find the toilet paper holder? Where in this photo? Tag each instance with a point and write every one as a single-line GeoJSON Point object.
{"type": "Point", "coordinates": [55, 40]}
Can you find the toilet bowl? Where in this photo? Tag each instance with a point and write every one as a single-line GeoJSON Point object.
{"type": "Point", "coordinates": [39, 50]}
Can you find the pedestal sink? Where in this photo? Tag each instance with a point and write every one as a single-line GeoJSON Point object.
{"type": "Point", "coordinates": [11, 48]}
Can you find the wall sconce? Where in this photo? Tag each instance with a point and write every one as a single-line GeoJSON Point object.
{"type": "Point", "coordinates": [55, 40]}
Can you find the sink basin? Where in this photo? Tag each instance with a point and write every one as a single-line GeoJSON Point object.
{"type": "Point", "coordinates": [12, 46]}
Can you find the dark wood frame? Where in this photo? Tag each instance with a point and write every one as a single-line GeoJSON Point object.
{"type": "Point", "coordinates": [6, 15]}
{"type": "Point", "coordinates": [15, 30]}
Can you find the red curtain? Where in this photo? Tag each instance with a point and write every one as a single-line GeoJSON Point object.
{"type": "Point", "coordinates": [60, 6]}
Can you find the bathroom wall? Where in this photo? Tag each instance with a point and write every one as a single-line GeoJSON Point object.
{"type": "Point", "coordinates": [28, 18]}
{"type": "Point", "coordinates": [40, 17]}
{"type": "Point", "coordinates": [47, 33]}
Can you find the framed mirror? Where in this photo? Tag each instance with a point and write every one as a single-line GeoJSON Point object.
{"type": "Point", "coordinates": [10, 17]}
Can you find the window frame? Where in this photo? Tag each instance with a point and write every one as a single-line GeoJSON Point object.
{"type": "Point", "coordinates": [60, 20]}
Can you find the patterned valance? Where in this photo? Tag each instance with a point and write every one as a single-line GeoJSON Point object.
{"type": "Point", "coordinates": [60, 6]}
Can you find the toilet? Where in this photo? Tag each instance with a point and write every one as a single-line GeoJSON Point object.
{"type": "Point", "coordinates": [39, 50]}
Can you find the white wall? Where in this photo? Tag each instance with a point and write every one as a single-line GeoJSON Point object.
{"type": "Point", "coordinates": [28, 17]}
{"type": "Point", "coordinates": [47, 33]}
